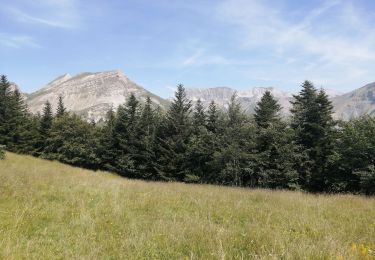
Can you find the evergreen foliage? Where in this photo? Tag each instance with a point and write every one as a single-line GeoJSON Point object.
{"type": "Point", "coordinates": [173, 138]}
{"type": "Point", "coordinates": [61, 110]}
{"type": "Point", "coordinates": [313, 124]}
{"type": "Point", "coordinates": [267, 110]}
{"type": "Point", "coordinates": [204, 145]}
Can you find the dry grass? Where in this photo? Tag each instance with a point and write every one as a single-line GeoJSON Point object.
{"type": "Point", "coordinates": [49, 210]}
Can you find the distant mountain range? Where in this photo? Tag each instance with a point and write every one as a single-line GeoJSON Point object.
{"type": "Point", "coordinates": [247, 98]}
{"type": "Point", "coordinates": [91, 95]}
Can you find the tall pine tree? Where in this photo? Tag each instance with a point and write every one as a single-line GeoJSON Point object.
{"type": "Point", "coordinates": [173, 138]}
{"type": "Point", "coordinates": [61, 110]}
{"type": "Point", "coordinates": [267, 110]}
{"type": "Point", "coordinates": [313, 125]}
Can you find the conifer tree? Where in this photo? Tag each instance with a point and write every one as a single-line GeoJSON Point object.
{"type": "Point", "coordinates": [313, 125]}
{"type": "Point", "coordinates": [127, 139]}
{"type": "Point", "coordinates": [44, 128]}
{"type": "Point", "coordinates": [213, 118]}
{"type": "Point", "coordinates": [173, 138]}
{"type": "Point", "coordinates": [147, 129]}
{"type": "Point", "coordinates": [200, 147]}
{"type": "Point", "coordinates": [61, 110]}
{"type": "Point", "coordinates": [71, 140]}
{"type": "Point", "coordinates": [46, 120]}
{"type": "Point", "coordinates": [199, 116]}
{"type": "Point", "coordinates": [5, 110]}
{"type": "Point", "coordinates": [106, 151]}
{"type": "Point", "coordinates": [235, 113]}
{"type": "Point", "coordinates": [267, 110]}
{"type": "Point", "coordinates": [232, 160]}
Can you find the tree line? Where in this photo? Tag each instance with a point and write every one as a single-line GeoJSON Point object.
{"type": "Point", "coordinates": [307, 151]}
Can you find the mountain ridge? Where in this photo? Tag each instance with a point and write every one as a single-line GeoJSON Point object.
{"type": "Point", "coordinates": [89, 94]}
{"type": "Point", "coordinates": [92, 94]}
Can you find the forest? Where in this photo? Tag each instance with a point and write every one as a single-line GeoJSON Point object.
{"type": "Point", "coordinates": [309, 151]}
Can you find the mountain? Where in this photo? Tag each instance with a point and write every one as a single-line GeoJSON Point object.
{"type": "Point", "coordinates": [93, 94]}
{"type": "Point", "coordinates": [90, 94]}
{"type": "Point", "coordinates": [344, 107]}
{"type": "Point", "coordinates": [356, 103]}
{"type": "Point", "coordinates": [247, 98]}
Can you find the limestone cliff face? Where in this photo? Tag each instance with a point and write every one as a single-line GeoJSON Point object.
{"type": "Point", "coordinates": [356, 103]}
{"type": "Point", "coordinates": [247, 98]}
{"type": "Point", "coordinates": [90, 94]}
{"type": "Point", "coordinates": [344, 108]}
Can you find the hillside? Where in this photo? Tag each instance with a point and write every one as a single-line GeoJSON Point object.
{"type": "Point", "coordinates": [52, 211]}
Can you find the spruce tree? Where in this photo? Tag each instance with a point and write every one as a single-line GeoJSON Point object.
{"type": "Point", "coordinates": [313, 125]}
{"type": "Point", "coordinates": [13, 117]}
{"type": "Point", "coordinates": [5, 110]}
{"type": "Point", "coordinates": [127, 139]}
{"type": "Point", "coordinates": [71, 140]}
{"type": "Point", "coordinates": [236, 115]}
{"type": "Point", "coordinates": [267, 110]}
{"type": "Point", "coordinates": [200, 147]}
{"type": "Point", "coordinates": [45, 126]}
{"type": "Point", "coordinates": [213, 118]}
{"type": "Point", "coordinates": [46, 120]}
{"type": "Point", "coordinates": [61, 110]}
{"type": "Point", "coordinates": [106, 151]}
{"type": "Point", "coordinates": [173, 138]}
{"type": "Point", "coordinates": [147, 128]}
{"type": "Point", "coordinates": [199, 116]}
{"type": "Point", "coordinates": [233, 159]}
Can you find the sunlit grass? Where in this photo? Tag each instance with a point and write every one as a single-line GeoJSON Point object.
{"type": "Point", "coordinates": [49, 210]}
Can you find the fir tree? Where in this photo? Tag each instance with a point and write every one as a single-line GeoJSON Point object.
{"type": "Point", "coordinates": [46, 120]}
{"type": "Point", "coordinates": [199, 116]}
{"type": "Point", "coordinates": [44, 128]}
{"type": "Point", "coordinates": [173, 138]}
{"type": "Point", "coordinates": [71, 140]}
{"type": "Point", "coordinates": [61, 110]}
{"type": "Point", "coordinates": [5, 110]}
{"type": "Point", "coordinates": [267, 110]}
{"type": "Point", "coordinates": [147, 127]}
{"type": "Point", "coordinates": [313, 125]}
{"type": "Point", "coordinates": [213, 118]}
{"type": "Point", "coordinates": [106, 151]}
{"type": "Point", "coordinates": [127, 139]}
{"type": "Point", "coordinates": [235, 113]}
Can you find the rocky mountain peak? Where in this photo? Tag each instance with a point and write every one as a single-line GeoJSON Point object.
{"type": "Point", "coordinates": [90, 94]}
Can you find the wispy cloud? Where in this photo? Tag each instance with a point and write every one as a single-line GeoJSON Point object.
{"type": "Point", "coordinates": [52, 13]}
{"type": "Point", "coordinates": [201, 57]}
{"type": "Point", "coordinates": [331, 38]}
{"type": "Point", "coordinates": [17, 41]}
{"type": "Point", "coordinates": [264, 25]}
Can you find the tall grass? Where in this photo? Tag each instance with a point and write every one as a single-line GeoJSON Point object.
{"type": "Point", "coordinates": [49, 210]}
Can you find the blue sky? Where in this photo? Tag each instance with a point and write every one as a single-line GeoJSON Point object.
{"type": "Point", "coordinates": [205, 43]}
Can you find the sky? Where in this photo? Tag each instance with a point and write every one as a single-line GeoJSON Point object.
{"type": "Point", "coordinates": [202, 43]}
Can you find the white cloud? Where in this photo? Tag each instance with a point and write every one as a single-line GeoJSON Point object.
{"type": "Point", "coordinates": [201, 57]}
{"type": "Point", "coordinates": [53, 13]}
{"type": "Point", "coordinates": [17, 41]}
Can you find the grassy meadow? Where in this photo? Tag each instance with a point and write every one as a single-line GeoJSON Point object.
{"type": "Point", "coordinates": [53, 211]}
